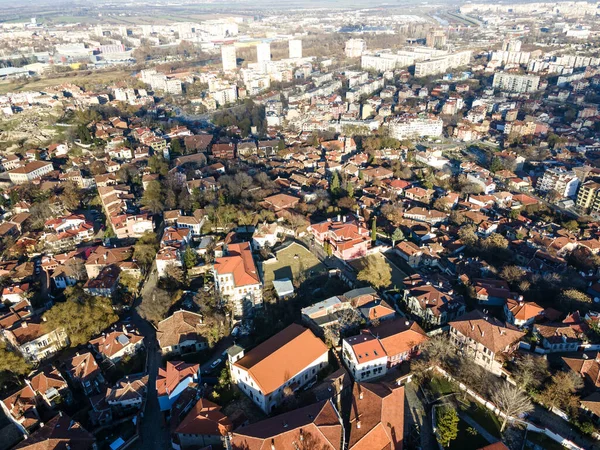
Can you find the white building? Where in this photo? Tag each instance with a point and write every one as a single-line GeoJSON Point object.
{"type": "Point", "coordinates": [263, 53]}
{"type": "Point", "coordinates": [516, 83]}
{"type": "Point", "coordinates": [560, 180]}
{"type": "Point", "coordinates": [355, 48]}
{"type": "Point", "coordinates": [410, 126]}
{"type": "Point", "coordinates": [237, 280]}
{"type": "Point", "coordinates": [295, 47]}
{"type": "Point", "coordinates": [279, 366]}
{"type": "Point", "coordinates": [30, 171]}
{"type": "Point", "coordinates": [228, 58]}
{"type": "Point", "coordinates": [441, 64]}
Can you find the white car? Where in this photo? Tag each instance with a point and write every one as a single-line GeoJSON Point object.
{"type": "Point", "coordinates": [215, 363]}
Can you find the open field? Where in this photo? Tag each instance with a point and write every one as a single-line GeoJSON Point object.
{"type": "Point", "coordinates": [75, 78]}
{"type": "Point", "coordinates": [291, 261]}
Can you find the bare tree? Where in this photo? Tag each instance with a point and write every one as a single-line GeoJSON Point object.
{"type": "Point", "coordinates": [512, 401]}
{"type": "Point", "coordinates": [531, 371]}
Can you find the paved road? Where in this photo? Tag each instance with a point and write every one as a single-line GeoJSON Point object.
{"type": "Point", "coordinates": [557, 425]}
{"type": "Point", "coordinates": [420, 415]}
{"type": "Point", "coordinates": [154, 433]}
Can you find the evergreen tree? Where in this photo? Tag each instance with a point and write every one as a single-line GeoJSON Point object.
{"type": "Point", "coordinates": [335, 184]}
{"type": "Point", "coordinates": [447, 425]}
{"type": "Point", "coordinates": [374, 230]}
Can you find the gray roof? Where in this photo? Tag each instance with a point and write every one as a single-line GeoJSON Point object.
{"type": "Point", "coordinates": [328, 303]}
{"type": "Point", "coordinates": [359, 292]}
{"type": "Point", "coordinates": [283, 287]}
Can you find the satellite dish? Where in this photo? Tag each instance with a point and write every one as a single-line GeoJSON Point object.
{"type": "Point", "coordinates": [596, 299]}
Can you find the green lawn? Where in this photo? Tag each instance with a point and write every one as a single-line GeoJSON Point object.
{"type": "Point", "coordinates": [397, 274]}
{"type": "Point", "coordinates": [465, 440]}
{"type": "Point", "coordinates": [440, 386]}
{"type": "Point", "coordinates": [291, 262]}
{"type": "Point", "coordinates": [485, 418]}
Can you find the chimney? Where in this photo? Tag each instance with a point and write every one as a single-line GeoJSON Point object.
{"type": "Point", "coordinates": [272, 444]}
{"type": "Point", "coordinates": [23, 324]}
{"type": "Point", "coordinates": [360, 396]}
{"type": "Point", "coordinates": [482, 333]}
{"type": "Point", "coordinates": [358, 424]}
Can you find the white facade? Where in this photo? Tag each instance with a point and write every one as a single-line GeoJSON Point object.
{"type": "Point", "coordinates": [562, 181]}
{"type": "Point", "coordinates": [295, 47]}
{"type": "Point", "coordinates": [263, 53]}
{"type": "Point", "coordinates": [516, 83]}
{"type": "Point", "coordinates": [355, 48]}
{"type": "Point", "coordinates": [416, 126]}
{"type": "Point", "coordinates": [363, 371]}
{"type": "Point", "coordinates": [268, 400]}
{"type": "Point", "coordinates": [228, 58]}
{"type": "Point", "coordinates": [441, 64]}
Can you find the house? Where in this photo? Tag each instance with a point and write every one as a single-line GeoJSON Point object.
{"type": "Point", "coordinates": [281, 201]}
{"type": "Point", "coordinates": [419, 194]}
{"type": "Point", "coordinates": [172, 380]}
{"type": "Point", "coordinates": [374, 351]}
{"type": "Point", "coordinates": [492, 292]}
{"type": "Point", "coordinates": [287, 361]}
{"type": "Point", "coordinates": [50, 387]}
{"type": "Point", "coordinates": [224, 151]}
{"type": "Point", "coordinates": [128, 393]}
{"type": "Point", "coordinates": [15, 293]}
{"type": "Point", "coordinates": [265, 235]}
{"type": "Point", "coordinates": [346, 239]}
{"type": "Point", "coordinates": [376, 417]}
{"type": "Point", "coordinates": [485, 339]}
{"type": "Point", "coordinates": [318, 425]}
{"type": "Point", "coordinates": [22, 407]}
{"type": "Point", "coordinates": [591, 406]}
{"type": "Point", "coordinates": [521, 313]}
{"type": "Point", "coordinates": [409, 252]}
{"type": "Point", "coordinates": [60, 432]}
{"type": "Point", "coordinates": [435, 305]}
{"type": "Point", "coordinates": [118, 343]}
{"type": "Point", "coordinates": [176, 237]}
{"type": "Point", "coordinates": [558, 337]}
{"type": "Point", "coordinates": [237, 280]}
{"type": "Point", "coordinates": [105, 284]}
{"type": "Point", "coordinates": [203, 426]}
{"type": "Point", "coordinates": [181, 333]}
{"type": "Point", "coordinates": [166, 258]}
{"type": "Point", "coordinates": [31, 338]}
{"type": "Point", "coordinates": [84, 371]}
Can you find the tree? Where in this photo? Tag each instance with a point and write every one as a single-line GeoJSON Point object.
{"type": "Point", "coordinates": [12, 362]}
{"type": "Point", "coordinates": [335, 184]}
{"type": "Point", "coordinates": [397, 236]}
{"type": "Point", "coordinates": [374, 230]}
{"type": "Point", "coordinates": [157, 164]}
{"type": "Point", "coordinates": [145, 250]}
{"type": "Point", "coordinates": [392, 213]}
{"type": "Point", "coordinates": [495, 241]}
{"type": "Point", "coordinates": [81, 319]}
{"type": "Point", "coordinates": [574, 299]}
{"type": "Point", "coordinates": [190, 258]}
{"type": "Point", "coordinates": [531, 371]}
{"type": "Point", "coordinates": [495, 165]}
{"type": "Point", "coordinates": [467, 235]}
{"type": "Point", "coordinates": [560, 391]}
{"type": "Point", "coordinates": [153, 199]}
{"type": "Point", "coordinates": [376, 272]}
{"type": "Point", "coordinates": [512, 401]}
{"type": "Point", "coordinates": [512, 274]}
{"type": "Point", "coordinates": [71, 196]}
{"type": "Point", "coordinates": [446, 425]}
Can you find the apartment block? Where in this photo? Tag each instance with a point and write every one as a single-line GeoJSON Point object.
{"type": "Point", "coordinates": [516, 83]}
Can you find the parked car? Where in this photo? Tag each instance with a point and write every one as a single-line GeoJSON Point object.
{"type": "Point", "coordinates": [216, 363]}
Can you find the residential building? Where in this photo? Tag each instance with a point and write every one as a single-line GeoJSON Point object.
{"type": "Point", "coordinates": [295, 48]}
{"type": "Point", "coordinates": [181, 333]}
{"type": "Point", "coordinates": [203, 426]}
{"type": "Point", "coordinates": [588, 196]}
{"type": "Point", "coordinates": [172, 381]}
{"type": "Point", "coordinates": [237, 280]}
{"type": "Point", "coordinates": [521, 313]}
{"type": "Point", "coordinates": [436, 38]}
{"type": "Point", "coordinates": [22, 408]}
{"type": "Point", "coordinates": [355, 48]}
{"type": "Point", "coordinates": [376, 417]}
{"type": "Point", "coordinates": [559, 180]}
{"type": "Point", "coordinates": [128, 393]}
{"type": "Point", "coordinates": [31, 338]}
{"type": "Point", "coordinates": [511, 82]}
{"type": "Point", "coordinates": [50, 387]}
{"type": "Point", "coordinates": [30, 171]}
{"type": "Point", "coordinates": [434, 305]}
{"type": "Point", "coordinates": [114, 345]}
{"type": "Point", "coordinates": [374, 351]}
{"type": "Point", "coordinates": [484, 339]}
{"type": "Point", "coordinates": [60, 432]}
{"type": "Point", "coordinates": [346, 239]}
{"type": "Point", "coordinates": [263, 52]}
{"type": "Point", "coordinates": [287, 361]}
{"type": "Point", "coordinates": [228, 58]}
{"type": "Point", "coordinates": [319, 425]}
{"type": "Point", "coordinates": [84, 371]}
{"type": "Point", "coordinates": [441, 64]}
{"type": "Point", "coordinates": [411, 126]}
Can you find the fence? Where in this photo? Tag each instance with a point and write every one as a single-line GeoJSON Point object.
{"type": "Point", "coordinates": [489, 405]}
